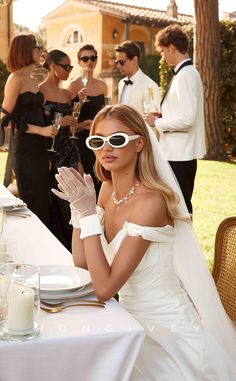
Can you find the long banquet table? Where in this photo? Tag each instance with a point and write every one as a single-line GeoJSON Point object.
{"type": "Point", "coordinates": [82, 343]}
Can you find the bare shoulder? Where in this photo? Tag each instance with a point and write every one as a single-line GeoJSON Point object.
{"type": "Point", "coordinates": [13, 86]}
{"type": "Point", "coordinates": [101, 84]}
{"type": "Point", "coordinates": [14, 79]}
{"type": "Point", "coordinates": [75, 84]}
{"type": "Point", "coordinates": [105, 193]}
{"type": "Point", "coordinates": [66, 94]}
{"type": "Point", "coordinates": [150, 209]}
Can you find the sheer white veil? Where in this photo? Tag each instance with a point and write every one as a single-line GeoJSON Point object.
{"type": "Point", "coordinates": [190, 265]}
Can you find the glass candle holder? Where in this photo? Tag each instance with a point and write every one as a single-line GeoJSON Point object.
{"type": "Point", "coordinates": [20, 302]}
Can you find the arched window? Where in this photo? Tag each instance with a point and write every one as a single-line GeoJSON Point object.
{"type": "Point", "coordinates": [74, 37]}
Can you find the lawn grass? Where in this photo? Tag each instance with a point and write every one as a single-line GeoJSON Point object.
{"type": "Point", "coordinates": [214, 199]}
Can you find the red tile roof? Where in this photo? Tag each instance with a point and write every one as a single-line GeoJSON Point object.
{"type": "Point", "coordinates": [138, 14]}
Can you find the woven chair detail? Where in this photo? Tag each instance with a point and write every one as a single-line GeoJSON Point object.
{"type": "Point", "coordinates": [224, 270]}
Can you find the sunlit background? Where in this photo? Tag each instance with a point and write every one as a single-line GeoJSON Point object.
{"type": "Point", "coordinates": [36, 10]}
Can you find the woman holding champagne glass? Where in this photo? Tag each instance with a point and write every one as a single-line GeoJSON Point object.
{"type": "Point", "coordinates": [64, 151]}
{"type": "Point", "coordinates": [22, 107]}
{"type": "Point", "coordinates": [90, 92]}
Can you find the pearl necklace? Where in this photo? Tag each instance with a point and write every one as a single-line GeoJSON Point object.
{"type": "Point", "coordinates": [125, 198]}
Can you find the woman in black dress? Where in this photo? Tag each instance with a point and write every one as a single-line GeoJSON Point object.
{"type": "Point", "coordinates": [23, 106]}
{"type": "Point", "coordinates": [94, 92]}
{"type": "Point", "coordinates": [67, 153]}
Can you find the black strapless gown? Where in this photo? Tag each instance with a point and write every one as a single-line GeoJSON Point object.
{"type": "Point", "coordinates": [89, 111]}
{"type": "Point", "coordinates": [30, 157]}
{"type": "Point", "coordinates": [67, 155]}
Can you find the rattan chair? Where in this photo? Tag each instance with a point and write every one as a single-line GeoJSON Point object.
{"type": "Point", "coordinates": [224, 270]}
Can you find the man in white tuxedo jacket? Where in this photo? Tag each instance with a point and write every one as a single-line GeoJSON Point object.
{"type": "Point", "coordinates": [181, 127]}
{"type": "Point", "coordinates": [132, 87]}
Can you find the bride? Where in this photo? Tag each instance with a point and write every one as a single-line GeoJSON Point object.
{"type": "Point", "coordinates": [139, 242]}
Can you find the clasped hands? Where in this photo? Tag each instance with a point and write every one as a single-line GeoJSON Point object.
{"type": "Point", "coordinates": [77, 190]}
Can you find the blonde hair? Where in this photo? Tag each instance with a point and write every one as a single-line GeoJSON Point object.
{"type": "Point", "coordinates": [146, 170]}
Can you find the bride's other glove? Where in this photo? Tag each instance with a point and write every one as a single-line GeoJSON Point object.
{"type": "Point", "coordinates": [81, 194]}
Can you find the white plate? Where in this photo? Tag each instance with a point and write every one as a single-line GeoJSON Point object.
{"type": "Point", "coordinates": [10, 204]}
{"type": "Point", "coordinates": [60, 279]}
{"type": "Point", "coordinates": [67, 295]}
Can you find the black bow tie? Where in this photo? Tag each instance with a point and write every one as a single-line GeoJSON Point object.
{"type": "Point", "coordinates": [128, 82]}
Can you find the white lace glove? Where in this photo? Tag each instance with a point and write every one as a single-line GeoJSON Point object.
{"type": "Point", "coordinates": [80, 192]}
{"type": "Point", "coordinates": [65, 195]}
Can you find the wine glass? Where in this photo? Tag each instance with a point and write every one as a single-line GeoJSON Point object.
{"type": "Point", "coordinates": [107, 101]}
{"type": "Point", "coordinates": [57, 121]}
{"type": "Point", "coordinates": [3, 222]}
{"type": "Point", "coordinates": [149, 105]}
{"type": "Point", "coordinates": [84, 80]}
{"type": "Point", "coordinates": [146, 101]}
{"type": "Point", "coordinates": [75, 114]}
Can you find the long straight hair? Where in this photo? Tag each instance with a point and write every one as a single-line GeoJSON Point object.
{"type": "Point", "coordinates": [146, 170]}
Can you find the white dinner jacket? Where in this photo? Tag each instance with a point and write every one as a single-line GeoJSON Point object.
{"type": "Point", "coordinates": [134, 93]}
{"type": "Point", "coordinates": [182, 127]}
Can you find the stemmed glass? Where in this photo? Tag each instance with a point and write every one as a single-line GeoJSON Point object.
{"type": "Point", "coordinates": [57, 121]}
{"type": "Point", "coordinates": [149, 105]}
{"type": "Point", "coordinates": [107, 101]}
{"type": "Point", "coordinates": [84, 80]}
{"type": "Point", "coordinates": [75, 114]}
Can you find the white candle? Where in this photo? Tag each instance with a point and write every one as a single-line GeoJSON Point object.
{"type": "Point", "coordinates": [20, 317]}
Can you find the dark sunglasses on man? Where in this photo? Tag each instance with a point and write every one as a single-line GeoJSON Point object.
{"type": "Point", "coordinates": [120, 62]}
{"type": "Point", "coordinates": [87, 58]}
{"type": "Point", "coordinates": [66, 67]}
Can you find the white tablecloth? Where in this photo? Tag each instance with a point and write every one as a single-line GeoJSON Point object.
{"type": "Point", "coordinates": [82, 343]}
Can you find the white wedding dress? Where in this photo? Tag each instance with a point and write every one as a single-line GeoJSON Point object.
{"type": "Point", "coordinates": [177, 347]}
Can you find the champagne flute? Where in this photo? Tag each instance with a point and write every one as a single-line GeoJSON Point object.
{"type": "Point", "coordinates": [107, 101]}
{"type": "Point", "coordinates": [57, 121]}
{"type": "Point", "coordinates": [75, 114]}
{"type": "Point", "coordinates": [84, 80]}
{"type": "Point", "coordinates": [146, 101]}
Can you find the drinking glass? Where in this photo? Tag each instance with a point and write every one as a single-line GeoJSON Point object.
{"type": "Point", "coordinates": [149, 105]}
{"type": "Point", "coordinates": [3, 222]}
{"type": "Point", "coordinates": [19, 302]}
{"type": "Point", "coordinates": [107, 101]}
{"type": "Point", "coordinates": [84, 80]}
{"type": "Point", "coordinates": [57, 121]}
{"type": "Point", "coordinates": [75, 114]}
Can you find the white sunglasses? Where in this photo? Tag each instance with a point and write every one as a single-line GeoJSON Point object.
{"type": "Point", "coordinates": [117, 140]}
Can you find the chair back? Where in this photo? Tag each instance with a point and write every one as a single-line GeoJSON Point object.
{"type": "Point", "coordinates": [224, 270]}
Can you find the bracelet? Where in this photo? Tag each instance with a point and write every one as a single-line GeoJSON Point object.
{"type": "Point", "coordinates": [90, 225]}
{"type": "Point", "coordinates": [75, 218]}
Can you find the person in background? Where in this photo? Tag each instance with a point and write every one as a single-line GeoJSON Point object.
{"type": "Point", "coordinates": [181, 127]}
{"type": "Point", "coordinates": [57, 99]}
{"type": "Point", "coordinates": [90, 92]}
{"type": "Point", "coordinates": [132, 87]}
{"type": "Point", "coordinates": [23, 107]}
{"type": "Point", "coordinates": [139, 241]}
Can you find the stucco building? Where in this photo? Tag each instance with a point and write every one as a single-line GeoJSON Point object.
{"type": "Point", "coordinates": [105, 24]}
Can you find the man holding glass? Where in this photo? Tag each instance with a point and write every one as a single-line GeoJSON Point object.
{"type": "Point", "coordinates": [132, 87]}
{"type": "Point", "coordinates": [181, 127]}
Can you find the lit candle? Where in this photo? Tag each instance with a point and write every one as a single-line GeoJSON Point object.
{"type": "Point", "coordinates": [20, 317]}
